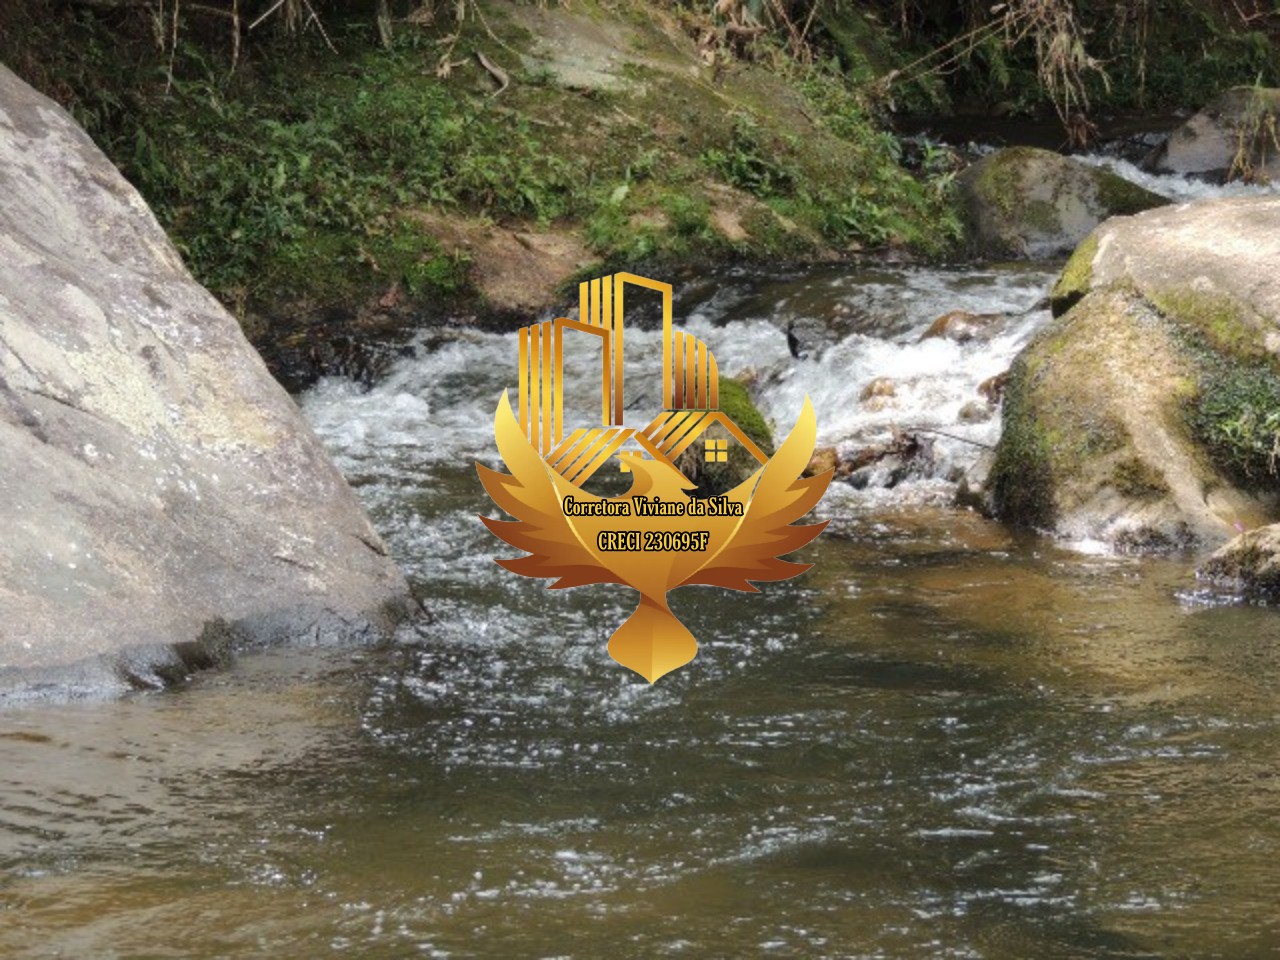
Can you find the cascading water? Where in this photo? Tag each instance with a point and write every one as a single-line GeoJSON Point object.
{"type": "Point", "coordinates": [436, 407]}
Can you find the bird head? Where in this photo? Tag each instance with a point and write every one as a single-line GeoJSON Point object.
{"type": "Point", "coordinates": [654, 478]}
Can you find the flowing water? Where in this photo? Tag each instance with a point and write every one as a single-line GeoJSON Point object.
{"type": "Point", "coordinates": [946, 740]}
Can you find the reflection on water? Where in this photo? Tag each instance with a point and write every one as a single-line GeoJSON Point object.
{"type": "Point", "coordinates": [947, 740]}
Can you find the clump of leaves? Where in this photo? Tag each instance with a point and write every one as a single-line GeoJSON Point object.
{"type": "Point", "coordinates": [1237, 415]}
{"type": "Point", "coordinates": [748, 163]}
{"type": "Point", "coordinates": [251, 182]}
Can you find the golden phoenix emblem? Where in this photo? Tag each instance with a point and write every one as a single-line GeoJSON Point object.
{"type": "Point", "coordinates": [657, 536]}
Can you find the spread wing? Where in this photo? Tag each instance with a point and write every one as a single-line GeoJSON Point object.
{"type": "Point", "coordinates": [540, 527]}
{"type": "Point", "coordinates": [782, 496]}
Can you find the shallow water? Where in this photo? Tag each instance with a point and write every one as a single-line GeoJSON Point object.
{"type": "Point", "coordinates": [946, 740]}
{"type": "Point", "coordinates": [943, 742]}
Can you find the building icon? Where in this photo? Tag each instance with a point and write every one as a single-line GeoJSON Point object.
{"type": "Point", "coordinates": [690, 387]}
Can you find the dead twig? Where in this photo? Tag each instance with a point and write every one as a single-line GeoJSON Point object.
{"type": "Point", "coordinates": [495, 71]}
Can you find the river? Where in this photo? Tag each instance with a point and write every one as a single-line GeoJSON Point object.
{"type": "Point", "coordinates": [947, 740]}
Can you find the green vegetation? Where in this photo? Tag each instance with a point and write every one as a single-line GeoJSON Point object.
{"type": "Point", "coordinates": [292, 178]}
{"type": "Point", "coordinates": [746, 163]}
{"type": "Point", "coordinates": [1073, 56]}
{"type": "Point", "coordinates": [1236, 414]}
{"type": "Point", "coordinates": [1220, 320]}
{"type": "Point", "coordinates": [1258, 136]}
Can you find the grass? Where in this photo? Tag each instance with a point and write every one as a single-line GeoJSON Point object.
{"type": "Point", "coordinates": [290, 178]}
{"type": "Point", "coordinates": [1236, 414]}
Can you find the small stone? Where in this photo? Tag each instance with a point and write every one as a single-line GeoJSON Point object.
{"type": "Point", "coordinates": [961, 326]}
{"type": "Point", "coordinates": [823, 459]}
{"type": "Point", "coordinates": [992, 388]}
{"type": "Point", "coordinates": [879, 387]}
{"type": "Point", "coordinates": [975, 411]}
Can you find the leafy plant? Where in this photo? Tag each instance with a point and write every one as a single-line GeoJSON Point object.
{"type": "Point", "coordinates": [1237, 414]}
{"type": "Point", "coordinates": [747, 163]}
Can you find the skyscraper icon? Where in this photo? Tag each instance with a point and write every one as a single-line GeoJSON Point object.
{"type": "Point", "coordinates": [690, 386]}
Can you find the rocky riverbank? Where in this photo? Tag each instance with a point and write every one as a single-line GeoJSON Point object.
{"type": "Point", "coordinates": [163, 501]}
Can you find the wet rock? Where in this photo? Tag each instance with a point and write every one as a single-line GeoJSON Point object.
{"type": "Point", "coordinates": [975, 411]}
{"type": "Point", "coordinates": [905, 456]}
{"type": "Point", "coordinates": [1135, 147]}
{"type": "Point", "coordinates": [992, 388]}
{"type": "Point", "coordinates": [962, 326]}
{"type": "Point", "coordinates": [1233, 136]}
{"type": "Point", "coordinates": [163, 499]}
{"type": "Point", "coordinates": [973, 489]}
{"type": "Point", "coordinates": [823, 459]}
{"type": "Point", "coordinates": [1029, 203]}
{"type": "Point", "coordinates": [1118, 417]}
{"type": "Point", "coordinates": [879, 387]}
{"type": "Point", "coordinates": [516, 271]}
{"type": "Point", "coordinates": [808, 337]}
{"type": "Point", "coordinates": [1248, 566]}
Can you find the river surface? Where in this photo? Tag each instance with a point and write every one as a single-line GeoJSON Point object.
{"type": "Point", "coordinates": [947, 740]}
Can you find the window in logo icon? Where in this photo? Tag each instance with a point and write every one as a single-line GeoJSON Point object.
{"type": "Point", "coordinates": [717, 451]}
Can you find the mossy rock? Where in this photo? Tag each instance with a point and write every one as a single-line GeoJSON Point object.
{"type": "Point", "coordinates": [1097, 443]}
{"type": "Point", "coordinates": [1248, 566]}
{"type": "Point", "coordinates": [1029, 203]}
{"type": "Point", "coordinates": [1167, 337]}
{"type": "Point", "coordinates": [1076, 277]}
{"type": "Point", "coordinates": [714, 477]}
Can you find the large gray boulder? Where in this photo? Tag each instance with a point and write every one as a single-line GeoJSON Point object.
{"type": "Point", "coordinates": [1233, 136]}
{"type": "Point", "coordinates": [1146, 414]}
{"type": "Point", "coordinates": [1029, 203]}
{"type": "Point", "coordinates": [161, 499]}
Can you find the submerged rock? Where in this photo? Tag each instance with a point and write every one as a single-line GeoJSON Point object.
{"type": "Point", "coordinates": [879, 387]}
{"type": "Point", "coordinates": [161, 497]}
{"type": "Point", "coordinates": [905, 456]}
{"type": "Point", "coordinates": [1030, 203]}
{"type": "Point", "coordinates": [1233, 136]}
{"type": "Point", "coordinates": [1248, 566]}
{"type": "Point", "coordinates": [1138, 417]}
{"type": "Point", "coordinates": [975, 411]}
{"type": "Point", "coordinates": [962, 326]}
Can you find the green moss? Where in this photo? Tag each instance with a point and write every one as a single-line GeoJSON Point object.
{"type": "Point", "coordinates": [1236, 415]}
{"type": "Point", "coordinates": [1022, 478]}
{"type": "Point", "coordinates": [1058, 421]}
{"type": "Point", "coordinates": [1219, 318]}
{"type": "Point", "coordinates": [1121, 198]}
{"type": "Point", "coordinates": [999, 181]}
{"type": "Point", "coordinates": [1134, 477]}
{"type": "Point", "coordinates": [1041, 215]}
{"type": "Point", "coordinates": [1076, 277]}
{"type": "Point", "coordinates": [736, 402]}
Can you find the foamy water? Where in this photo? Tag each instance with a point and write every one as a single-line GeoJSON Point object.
{"type": "Point", "coordinates": [1174, 187]}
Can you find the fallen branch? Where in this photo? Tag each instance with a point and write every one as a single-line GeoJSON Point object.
{"type": "Point", "coordinates": [494, 71]}
{"type": "Point", "coordinates": [949, 436]}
